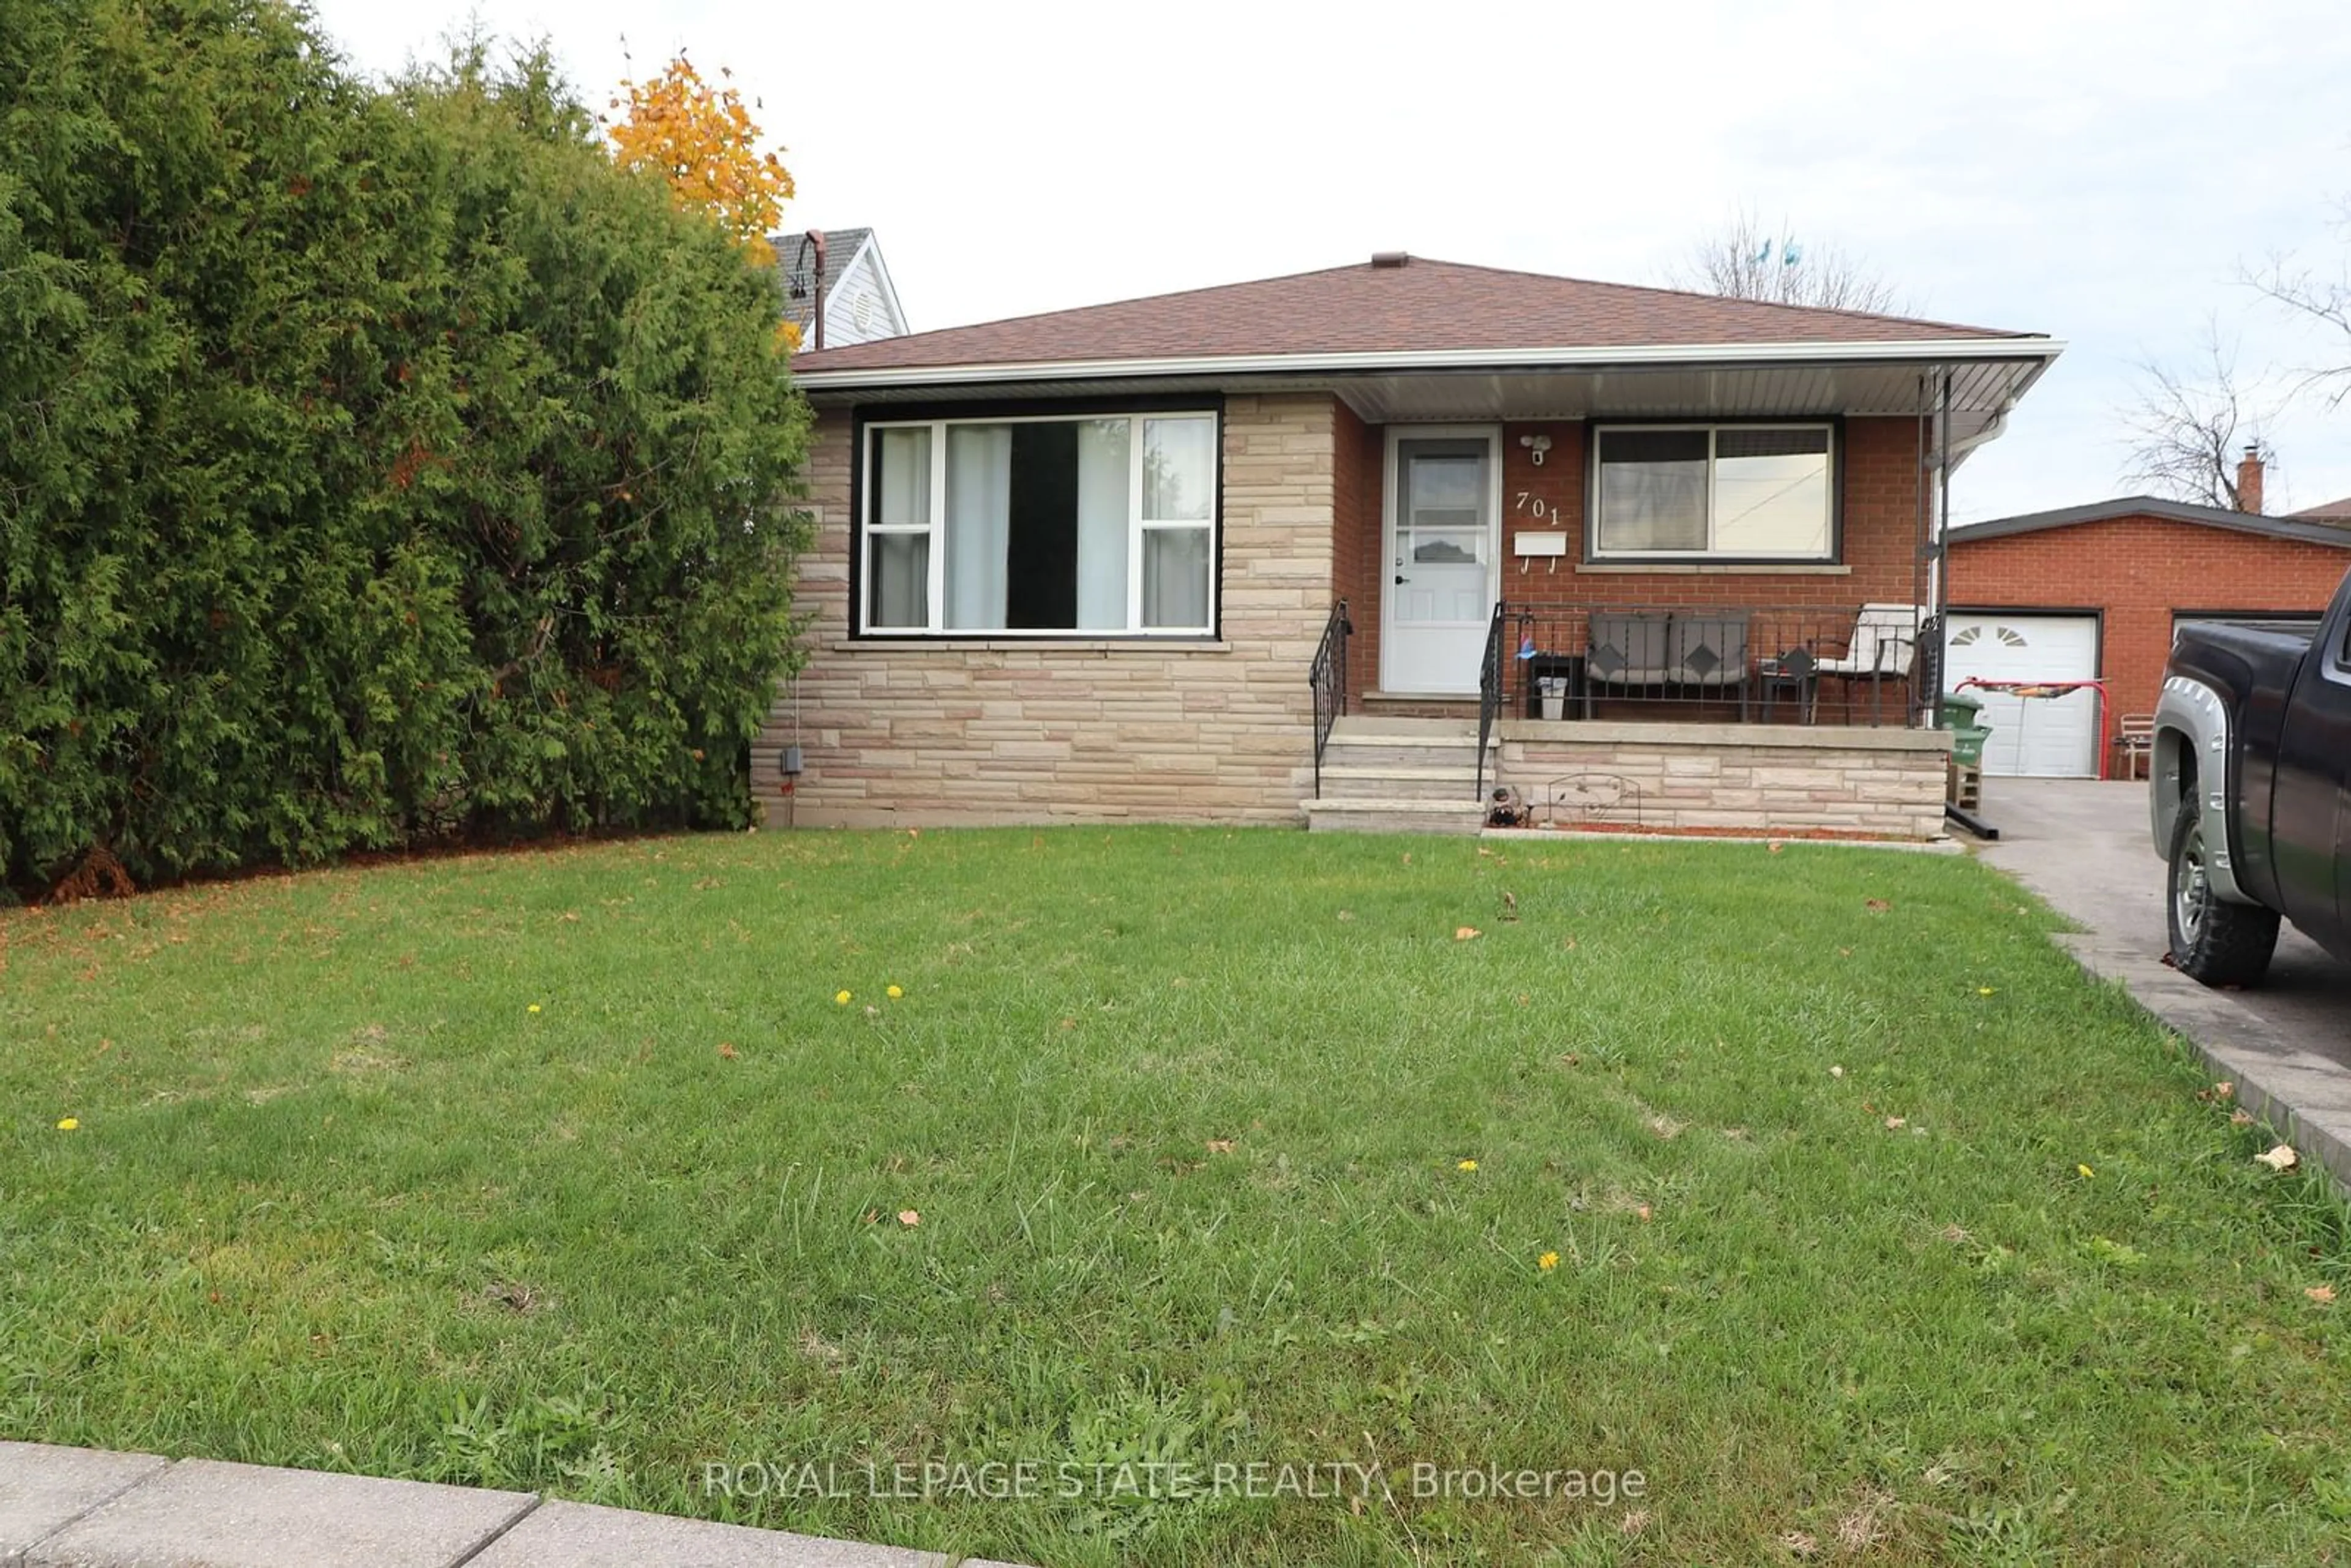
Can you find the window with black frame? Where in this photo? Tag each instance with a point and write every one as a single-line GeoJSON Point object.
{"type": "Point", "coordinates": [1102, 525]}
{"type": "Point", "coordinates": [1733, 492]}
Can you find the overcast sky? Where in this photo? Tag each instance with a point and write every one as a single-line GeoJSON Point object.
{"type": "Point", "coordinates": [2099, 171]}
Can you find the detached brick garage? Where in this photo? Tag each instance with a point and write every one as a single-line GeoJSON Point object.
{"type": "Point", "coordinates": [2095, 592]}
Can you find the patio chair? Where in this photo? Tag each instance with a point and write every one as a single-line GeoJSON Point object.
{"type": "Point", "coordinates": [1625, 650]}
{"type": "Point", "coordinates": [1709, 653]}
{"type": "Point", "coordinates": [2135, 744]}
{"type": "Point", "coordinates": [1885, 640]}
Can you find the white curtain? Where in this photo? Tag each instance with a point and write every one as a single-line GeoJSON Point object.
{"type": "Point", "coordinates": [1103, 477]}
{"type": "Point", "coordinates": [1176, 579]}
{"type": "Point", "coordinates": [906, 499]}
{"type": "Point", "coordinates": [979, 525]}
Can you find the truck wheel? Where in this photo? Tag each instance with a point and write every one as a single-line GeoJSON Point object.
{"type": "Point", "coordinates": [2213, 940]}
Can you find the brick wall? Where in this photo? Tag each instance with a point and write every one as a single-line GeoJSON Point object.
{"type": "Point", "coordinates": [978, 730]}
{"type": "Point", "coordinates": [1359, 454]}
{"type": "Point", "coordinates": [1879, 473]}
{"type": "Point", "coordinates": [2139, 570]}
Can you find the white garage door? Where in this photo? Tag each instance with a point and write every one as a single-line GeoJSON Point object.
{"type": "Point", "coordinates": [2042, 737]}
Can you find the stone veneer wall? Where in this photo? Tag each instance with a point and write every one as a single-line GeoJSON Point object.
{"type": "Point", "coordinates": [1888, 783]}
{"type": "Point", "coordinates": [972, 731]}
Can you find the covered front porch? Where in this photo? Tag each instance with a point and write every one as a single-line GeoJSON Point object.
{"type": "Point", "coordinates": [1644, 600]}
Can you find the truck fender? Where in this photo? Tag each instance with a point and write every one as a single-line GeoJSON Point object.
{"type": "Point", "coordinates": [2192, 741]}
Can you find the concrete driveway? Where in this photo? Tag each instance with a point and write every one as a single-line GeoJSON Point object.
{"type": "Point", "coordinates": [2083, 846]}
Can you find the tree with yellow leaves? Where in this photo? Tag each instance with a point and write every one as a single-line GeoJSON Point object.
{"type": "Point", "coordinates": [703, 141]}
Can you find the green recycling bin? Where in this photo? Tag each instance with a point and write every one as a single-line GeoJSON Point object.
{"type": "Point", "coordinates": [1962, 715]}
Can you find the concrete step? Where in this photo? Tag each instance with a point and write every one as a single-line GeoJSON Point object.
{"type": "Point", "coordinates": [1393, 730]}
{"type": "Point", "coordinates": [1457, 757]}
{"type": "Point", "coordinates": [1463, 818]}
{"type": "Point", "coordinates": [1397, 781]}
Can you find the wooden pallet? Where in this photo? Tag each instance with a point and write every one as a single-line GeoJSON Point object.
{"type": "Point", "coordinates": [1963, 786]}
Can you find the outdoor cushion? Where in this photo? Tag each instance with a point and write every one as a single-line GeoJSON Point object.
{"type": "Point", "coordinates": [1629, 651]}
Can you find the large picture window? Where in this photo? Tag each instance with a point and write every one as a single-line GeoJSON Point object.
{"type": "Point", "coordinates": [1742, 492]}
{"type": "Point", "coordinates": [1041, 526]}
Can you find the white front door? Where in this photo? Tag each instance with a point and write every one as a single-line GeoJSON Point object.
{"type": "Point", "coordinates": [2041, 737]}
{"type": "Point", "coordinates": [1443, 536]}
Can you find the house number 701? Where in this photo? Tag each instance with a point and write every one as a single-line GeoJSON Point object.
{"type": "Point", "coordinates": [1541, 510]}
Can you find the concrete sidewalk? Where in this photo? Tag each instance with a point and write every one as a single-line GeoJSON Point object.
{"type": "Point", "coordinates": [2084, 847]}
{"type": "Point", "coordinates": [82, 1508]}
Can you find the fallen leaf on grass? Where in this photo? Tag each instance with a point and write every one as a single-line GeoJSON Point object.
{"type": "Point", "coordinates": [727, 1053]}
{"type": "Point", "coordinates": [1466, 934]}
{"type": "Point", "coordinates": [1876, 906]}
{"type": "Point", "coordinates": [1836, 1073]}
{"type": "Point", "coordinates": [2322, 1294]}
{"type": "Point", "coordinates": [1644, 1212]}
{"type": "Point", "coordinates": [2281, 1158]}
{"type": "Point", "coordinates": [1220, 1146]}
{"type": "Point", "coordinates": [909, 1218]}
{"type": "Point", "coordinates": [1801, 1544]}
{"type": "Point", "coordinates": [1894, 1122]}
{"type": "Point", "coordinates": [2221, 1091]}
{"type": "Point", "coordinates": [2241, 1118]}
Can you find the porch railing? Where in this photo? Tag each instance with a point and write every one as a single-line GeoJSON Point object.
{"type": "Point", "coordinates": [1868, 666]}
{"type": "Point", "coordinates": [1328, 676]}
{"type": "Point", "coordinates": [1490, 684]}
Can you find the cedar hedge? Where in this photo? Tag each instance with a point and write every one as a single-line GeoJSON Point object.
{"type": "Point", "coordinates": [379, 464]}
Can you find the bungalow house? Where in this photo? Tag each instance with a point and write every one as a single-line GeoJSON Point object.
{"type": "Point", "coordinates": [1364, 545]}
{"type": "Point", "coordinates": [2095, 593]}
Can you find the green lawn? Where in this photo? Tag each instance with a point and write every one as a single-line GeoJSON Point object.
{"type": "Point", "coordinates": [567, 1170]}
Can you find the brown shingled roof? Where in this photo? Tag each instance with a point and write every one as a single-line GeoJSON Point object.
{"type": "Point", "coordinates": [2335, 512]}
{"type": "Point", "coordinates": [1422, 304]}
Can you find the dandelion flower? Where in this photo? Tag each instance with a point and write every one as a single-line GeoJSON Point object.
{"type": "Point", "coordinates": [841, 999]}
{"type": "Point", "coordinates": [533, 1008]}
{"type": "Point", "coordinates": [1547, 1262]}
{"type": "Point", "coordinates": [894, 992]}
{"type": "Point", "coordinates": [2086, 1172]}
{"type": "Point", "coordinates": [1466, 1165]}
{"type": "Point", "coordinates": [1985, 990]}
{"type": "Point", "coordinates": [71, 1123]}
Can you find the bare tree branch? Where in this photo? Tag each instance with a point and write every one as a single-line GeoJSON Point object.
{"type": "Point", "coordinates": [1745, 260]}
{"type": "Point", "coordinates": [2315, 296]}
{"type": "Point", "coordinates": [2188, 429]}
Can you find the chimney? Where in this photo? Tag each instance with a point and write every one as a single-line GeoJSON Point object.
{"type": "Point", "coordinates": [2249, 481]}
{"type": "Point", "coordinates": [1388, 258]}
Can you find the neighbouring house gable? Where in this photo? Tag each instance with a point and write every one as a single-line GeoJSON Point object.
{"type": "Point", "coordinates": [860, 302]}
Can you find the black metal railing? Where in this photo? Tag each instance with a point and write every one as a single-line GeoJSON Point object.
{"type": "Point", "coordinates": [1490, 681]}
{"type": "Point", "coordinates": [1859, 666]}
{"type": "Point", "coordinates": [1328, 676]}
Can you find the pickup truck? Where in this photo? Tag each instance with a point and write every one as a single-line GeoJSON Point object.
{"type": "Point", "coordinates": [2252, 792]}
